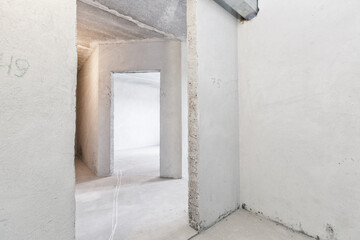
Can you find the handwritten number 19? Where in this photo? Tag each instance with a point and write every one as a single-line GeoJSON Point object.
{"type": "Point", "coordinates": [23, 66]}
{"type": "Point", "coordinates": [19, 70]}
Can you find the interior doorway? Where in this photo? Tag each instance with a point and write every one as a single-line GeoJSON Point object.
{"type": "Point", "coordinates": [135, 120]}
{"type": "Point", "coordinates": [136, 201]}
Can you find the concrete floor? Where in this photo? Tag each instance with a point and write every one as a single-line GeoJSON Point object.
{"type": "Point", "coordinates": [242, 225]}
{"type": "Point", "coordinates": [136, 204]}
{"type": "Point", "coordinates": [147, 207]}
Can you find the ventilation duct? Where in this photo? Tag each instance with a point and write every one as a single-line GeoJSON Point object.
{"type": "Point", "coordinates": [246, 9]}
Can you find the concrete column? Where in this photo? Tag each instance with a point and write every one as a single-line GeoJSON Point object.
{"type": "Point", "coordinates": [213, 113]}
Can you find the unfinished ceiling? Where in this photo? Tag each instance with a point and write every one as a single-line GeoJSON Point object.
{"type": "Point", "coordinates": [124, 20]}
{"type": "Point", "coordinates": [166, 15]}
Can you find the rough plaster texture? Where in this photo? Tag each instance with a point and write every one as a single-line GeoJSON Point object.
{"type": "Point", "coordinates": [299, 106]}
{"type": "Point", "coordinates": [136, 99]}
{"type": "Point", "coordinates": [37, 119]}
{"type": "Point", "coordinates": [213, 114]}
{"type": "Point", "coordinates": [87, 111]}
{"type": "Point", "coordinates": [193, 145]}
{"type": "Point", "coordinates": [163, 56]}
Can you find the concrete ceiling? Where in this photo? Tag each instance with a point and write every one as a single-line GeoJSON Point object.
{"type": "Point", "coordinates": [166, 15]}
{"type": "Point", "coordinates": [123, 20]}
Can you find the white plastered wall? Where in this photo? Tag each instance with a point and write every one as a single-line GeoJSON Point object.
{"type": "Point", "coordinates": [299, 115]}
{"type": "Point", "coordinates": [184, 110]}
{"type": "Point", "coordinates": [87, 111]}
{"type": "Point", "coordinates": [37, 119]}
{"type": "Point", "coordinates": [213, 113]}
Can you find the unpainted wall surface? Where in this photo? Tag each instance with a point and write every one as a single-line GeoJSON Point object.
{"type": "Point", "coordinates": [299, 115]}
{"type": "Point", "coordinates": [136, 110]}
{"type": "Point", "coordinates": [193, 116]}
{"type": "Point", "coordinates": [87, 111]}
{"type": "Point", "coordinates": [184, 110]}
{"type": "Point", "coordinates": [164, 56]}
{"type": "Point", "coordinates": [37, 119]}
{"type": "Point", "coordinates": [213, 103]}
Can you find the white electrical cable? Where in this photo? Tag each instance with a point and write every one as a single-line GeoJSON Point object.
{"type": "Point", "coordinates": [115, 205]}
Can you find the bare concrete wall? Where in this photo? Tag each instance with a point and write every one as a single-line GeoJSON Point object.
{"type": "Point", "coordinates": [299, 126]}
{"type": "Point", "coordinates": [213, 113]}
{"type": "Point", "coordinates": [184, 110]}
{"type": "Point", "coordinates": [193, 124]}
{"type": "Point", "coordinates": [37, 119]}
{"type": "Point", "coordinates": [164, 56]}
{"type": "Point", "coordinates": [87, 111]}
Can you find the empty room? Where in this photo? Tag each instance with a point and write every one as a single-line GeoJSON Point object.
{"type": "Point", "coordinates": [179, 119]}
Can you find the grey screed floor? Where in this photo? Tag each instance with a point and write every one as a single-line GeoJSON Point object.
{"type": "Point", "coordinates": [135, 204]}
{"type": "Point", "coordinates": [148, 207]}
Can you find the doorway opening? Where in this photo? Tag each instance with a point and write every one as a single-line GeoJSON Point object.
{"type": "Point", "coordinates": [135, 122]}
